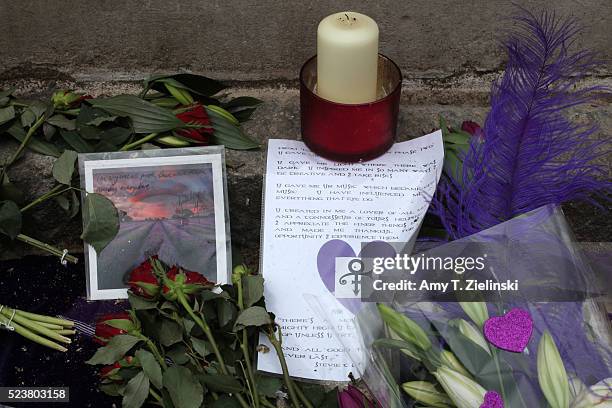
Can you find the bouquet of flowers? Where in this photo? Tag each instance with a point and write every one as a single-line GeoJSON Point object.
{"type": "Point", "coordinates": [188, 343]}
{"type": "Point", "coordinates": [171, 111]}
{"type": "Point", "coordinates": [548, 344]}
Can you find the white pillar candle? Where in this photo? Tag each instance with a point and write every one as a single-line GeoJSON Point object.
{"type": "Point", "coordinates": [347, 58]}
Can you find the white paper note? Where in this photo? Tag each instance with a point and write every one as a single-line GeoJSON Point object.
{"type": "Point", "coordinates": [310, 201]}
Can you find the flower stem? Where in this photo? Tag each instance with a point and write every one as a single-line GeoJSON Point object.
{"type": "Point", "coordinates": [277, 344]}
{"type": "Point", "coordinates": [33, 326]}
{"type": "Point", "coordinates": [23, 145]}
{"type": "Point", "coordinates": [211, 339]}
{"type": "Point", "coordinates": [46, 247]}
{"type": "Point", "coordinates": [22, 331]}
{"type": "Point", "coordinates": [139, 142]}
{"type": "Point", "coordinates": [55, 191]}
{"type": "Point", "coordinates": [244, 346]}
{"type": "Point", "coordinates": [205, 328]}
{"type": "Point", "coordinates": [46, 319]}
{"type": "Point", "coordinates": [155, 351]}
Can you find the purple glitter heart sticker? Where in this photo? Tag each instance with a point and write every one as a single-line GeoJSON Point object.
{"type": "Point", "coordinates": [510, 332]}
{"type": "Point", "coordinates": [492, 400]}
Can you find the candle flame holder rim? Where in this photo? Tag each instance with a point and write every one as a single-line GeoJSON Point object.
{"type": "Point", "coordinates": [386, 96]}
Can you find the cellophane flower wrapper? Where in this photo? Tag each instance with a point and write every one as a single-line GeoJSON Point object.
{"type": "Point", "coordinates": [561, 292]}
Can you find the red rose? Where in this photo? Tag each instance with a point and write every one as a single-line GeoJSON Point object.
{"type": "Point", "coordinates": [187, 281]}
{"type": "Point", "coordinates": [196, 115]}
{"type": "Point", "coordinates": [111, 325]}
{"type": "Point", "coordinates": [143, 281]}
{"type": "Point", "coordinates": [472, 128]}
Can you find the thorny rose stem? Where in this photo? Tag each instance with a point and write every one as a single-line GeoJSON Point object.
{"type": "Point", "coordinates": [206, 329]}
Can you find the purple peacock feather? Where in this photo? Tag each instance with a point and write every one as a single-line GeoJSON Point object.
{"type": "Point", "coordinates": [532, 154]}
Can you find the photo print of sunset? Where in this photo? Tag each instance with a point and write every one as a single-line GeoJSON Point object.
{"type": "Point", "coordinates": [164, 210]}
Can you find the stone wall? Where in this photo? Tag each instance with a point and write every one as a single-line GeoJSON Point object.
{"type": "Point", "coordinates": [446, 49]}
{"type": "Point", "coordinates": [259, 40]}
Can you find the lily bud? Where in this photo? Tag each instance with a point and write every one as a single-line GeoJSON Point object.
{"type": "Point", "coordinates": [404, 327]}
{"type": "Point", "coordinates": [477, 311]}
{"type": "Point", "coordinates": [426, 392]}
{"type": "Point", "coordinates": [596, 396]}
{"type": "Point", "coordinates": [551, 373]}
{"type": "Point", "coordinates": [173, 141]}
{"type": "Point", "coordinates": [450, 360]}
{"type": "Point", "coordinates": [464, 392]}
{"type": "Point", "coordinates": [238, 272]}
{"type": "Point", "coordinates": [181, 95]}
{"type": "Point", "coordinates": [468, 330]}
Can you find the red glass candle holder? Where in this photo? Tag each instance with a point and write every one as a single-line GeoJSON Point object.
{"type": "Point", "coordinates": [350, 132]}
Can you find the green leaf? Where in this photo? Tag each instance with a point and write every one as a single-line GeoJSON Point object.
{"type": "Point", "coordinates": [6, 92]}
{"type": "Point", "coordinates": [116, 136]}
{"type": "Point", "coordinates": [150, 366]}
{"type": "Point", "coordinates": [88, 114]}
{"type": "Point", "coordinates": [202, 347]}
{"type": "Point", "coordinates": [9, 191]}
{"type": "Point", "coordinates": [76, 141]}
{"type": "Point", "coordinates": [123, 324]}
{"type": "Point", "coordinates": [75, 204]}
{"type": "Point", "coordinates": [244, 115]}
{"type": "Point", "coordinates": [221, 383]}
{"type": "Point", "coordinates": [225, 401]}
{"type": "Point", "coordinates": [114, 350]}
{"type": "Point", "coordinates": [225, 312]}
{"type": "Point", "coordinates": [63, 202]}
{"type": "Point", "coordinates": [178, 354]}
{"type": "Point", "coordinates": [10, 219]}
{"type": "Point", "coordinates": [197, 84]}
{"type": "Point", "coordinates": [253, 286]}
{"type": "Point", "coordinates": [7, 114]}
{"type": "Point", "coordinates": [136, 391]}
{"type": "Point", "coordinates": [62, 122]}
{"type": "Point", "coordinates": [268, 386]}
{"type": "Point", "coordinates": [461, 138]}
{"type": "Point", "coordinates": [27, 118]}
{"type": "Point", "coordinates": [35, 144]}
{"type": "Point", "coordinates": [170, 332]}
{"type": "Point", "coordinates": [101, 221]}
{"type": "Point", "coordinates": [112, 389]}
{"type": "Point", "coordinates": [101, 119]}
{"type": "Point", "coordinates": [241, 102]}
{"type": "Point", "coordinates": [139, 303]}
{"type": "Point", "coordinates": [146, 117]}
{"type": "Point", "coordinates": [253, 316]}
{"type": "Point", "coordinates": [63, 168]}
{"type": "Point", "coordinates": [184, 389]}
{"type": "Point", "coordinates": [228, 134]}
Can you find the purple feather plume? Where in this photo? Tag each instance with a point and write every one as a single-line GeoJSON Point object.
{"type": "Point", "coordinates": [531, 154]}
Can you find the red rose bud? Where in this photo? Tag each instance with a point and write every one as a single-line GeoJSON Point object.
{"type": "Point", "coordinates": [111, 325]}
{"type": "Point", "coordinates": [196, 115]}
{"type": "Point", "coordinates": [143, 281]}
{"type": "Point", "coordinates": [472, 128]}
{"type": "Point", "coordinates": [67, 99]}
{"type": "Point", "coordinates": [111, 372]}
{"type": "Point", "coordinates": [353, 398]}
{"type": "Point", "coordinates": [186, 281]}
